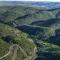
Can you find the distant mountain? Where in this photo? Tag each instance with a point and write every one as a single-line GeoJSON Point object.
{"type": "Point", "coordinates": [49, 5]}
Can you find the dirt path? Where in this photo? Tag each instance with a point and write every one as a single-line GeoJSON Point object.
{"type": "Point", "coordinates": [5, 55]}
{"type": "Point", "coordinates": [10, 49]}
{"type": "Point", "coordinates": [15, 53]}
{"type": "Point", "coordinates": [25, 54]}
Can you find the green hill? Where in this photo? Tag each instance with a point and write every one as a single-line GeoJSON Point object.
{"type": "Point", "coordinates": [11, 36]}
{"type": "Point", "coordinates": [23, 14]}
{"type": "Point", "coordinates": [24, 29]}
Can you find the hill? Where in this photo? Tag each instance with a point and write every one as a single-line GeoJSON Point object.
{"type": "Point", "coordinates": [10, 36]}
{"type": "Point", "coordinates": [25, 28]}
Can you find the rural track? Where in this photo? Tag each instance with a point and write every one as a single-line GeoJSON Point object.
{"type": "Point", "coordinates": [15, 52]}
{"type": "Point", "coordinates": [10, 49]}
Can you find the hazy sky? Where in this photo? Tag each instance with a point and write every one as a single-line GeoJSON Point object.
{"type": "Point", "coordinates": [33, 0]}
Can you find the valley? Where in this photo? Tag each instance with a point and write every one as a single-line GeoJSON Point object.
{"type": "Point", "coordinates": [29, 32]}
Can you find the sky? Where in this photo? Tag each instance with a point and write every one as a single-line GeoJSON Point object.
{"type": "Point", "coordinates": [34, 0]}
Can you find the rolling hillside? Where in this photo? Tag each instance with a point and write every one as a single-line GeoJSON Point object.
{"type": "Point", "coordinates": [28, 32]}
{"type": "Point", "coordinates": [10, 36]}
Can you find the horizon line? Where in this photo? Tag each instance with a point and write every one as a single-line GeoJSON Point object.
{"type": "Point", "coordinates": [33, 0]}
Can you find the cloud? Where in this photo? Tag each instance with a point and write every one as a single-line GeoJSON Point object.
{"type": "Point", "coordinates": [33, 0]}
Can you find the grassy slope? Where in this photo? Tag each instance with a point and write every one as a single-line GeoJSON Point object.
{"type": "Point", "coordinates": [16, 12]}
{"type": "Point", "coordinates": [19, 38]}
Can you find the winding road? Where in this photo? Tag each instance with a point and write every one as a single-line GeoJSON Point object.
{"type": "Point", "coordinates": [15, 52]}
